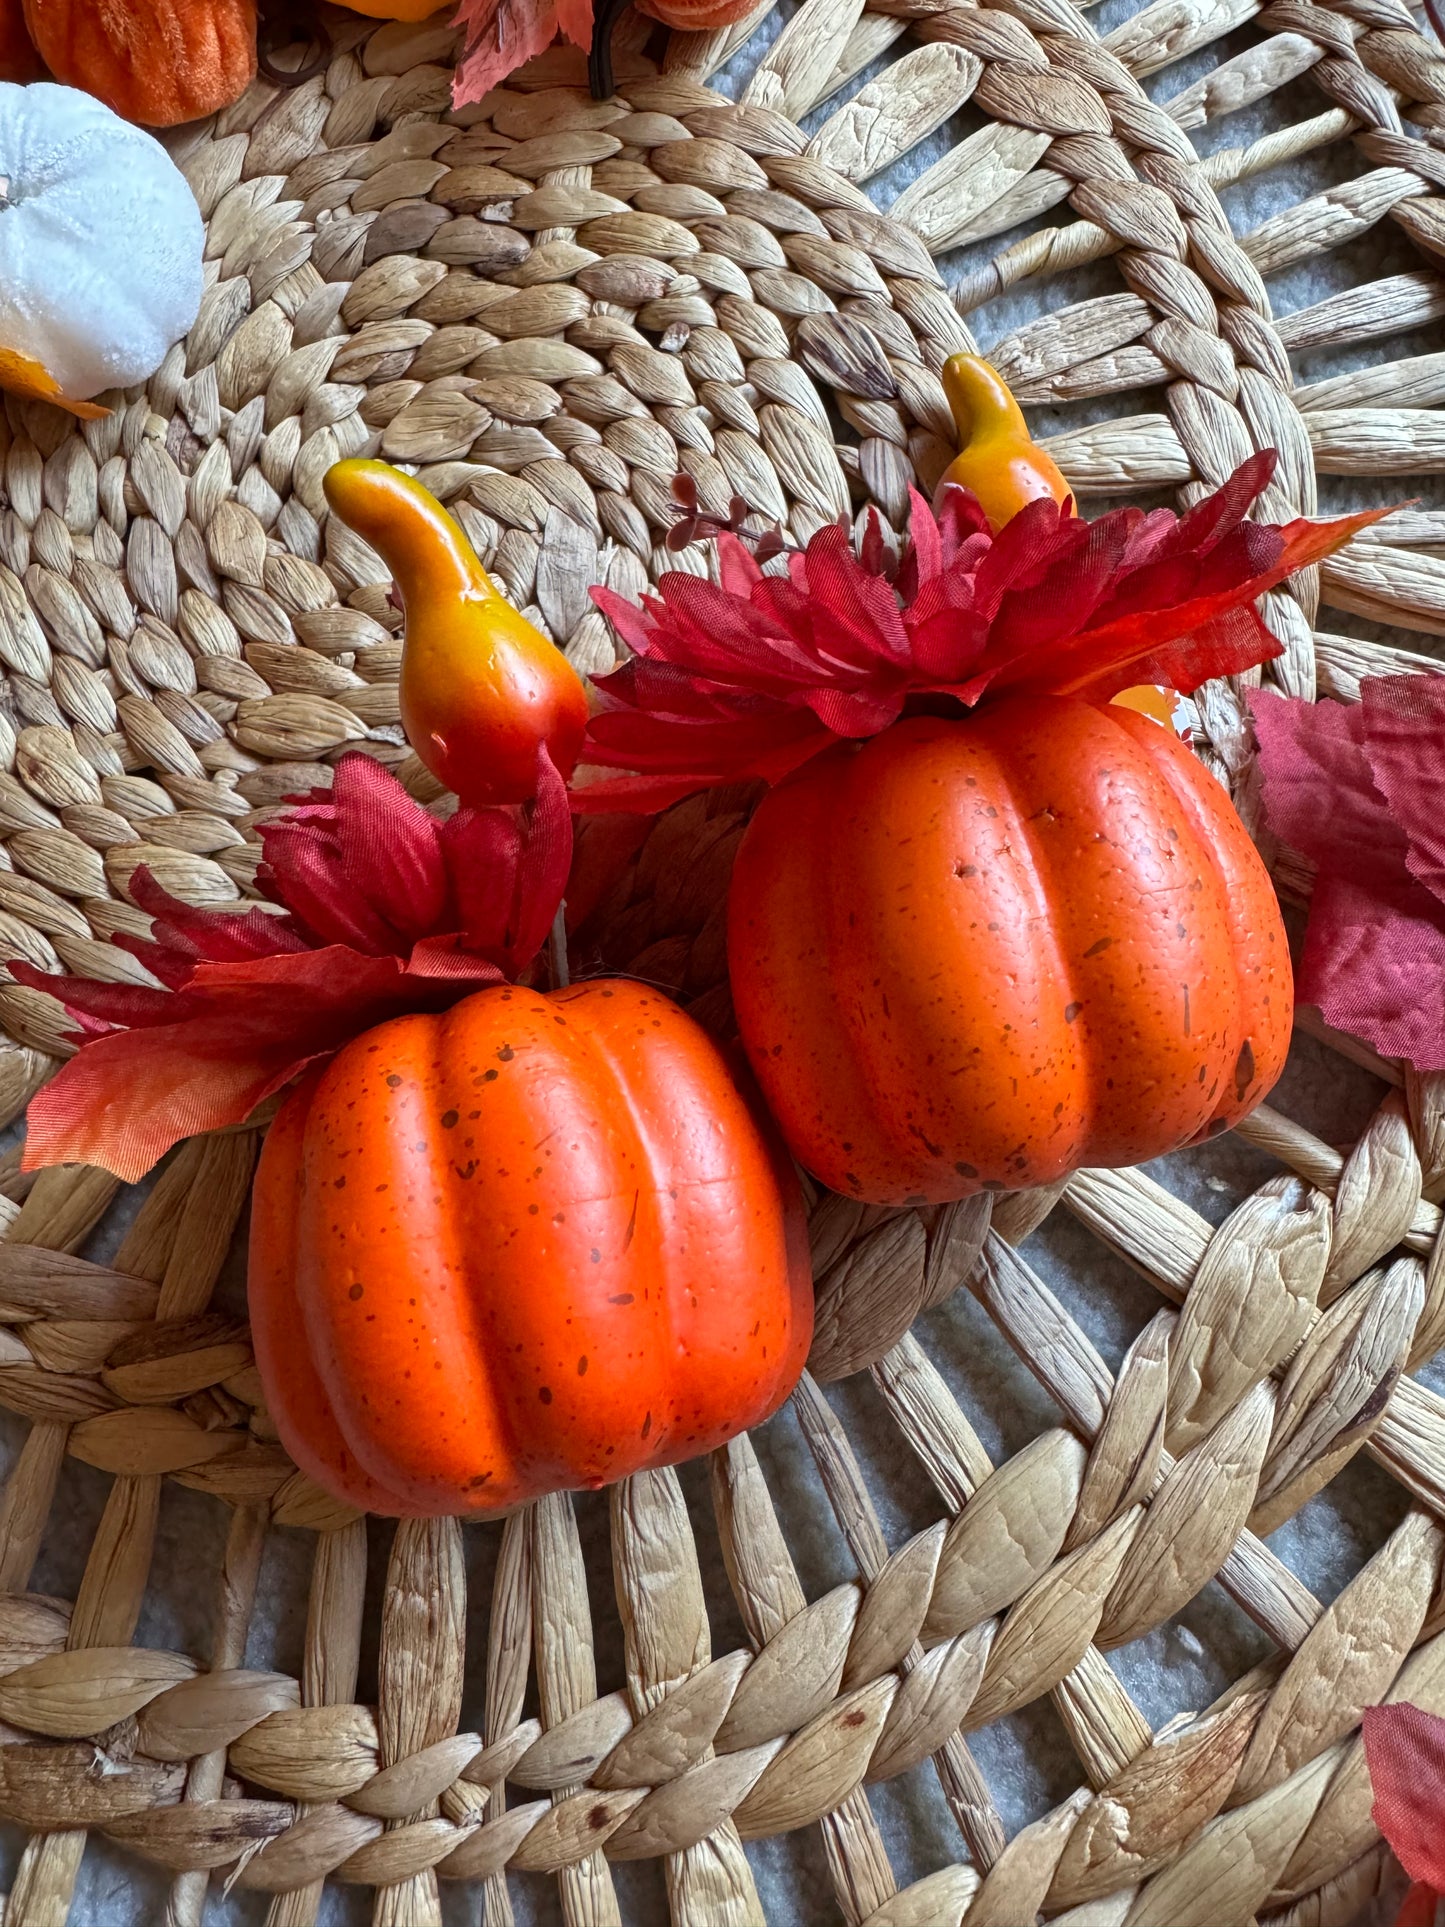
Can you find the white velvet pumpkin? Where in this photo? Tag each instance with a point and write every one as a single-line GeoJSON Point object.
{"type": "Point", "coordinates": [100, 242]}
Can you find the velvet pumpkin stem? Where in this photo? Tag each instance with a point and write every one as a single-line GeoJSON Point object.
{"type": "Point", "coordinates": [599, 60]}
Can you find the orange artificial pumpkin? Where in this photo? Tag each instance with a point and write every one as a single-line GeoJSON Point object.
{"type": "Point", "coordinates": [979, 954]}
{"type": "Point", "coordinates": [535, 1243]}
{"type": "Point", "coordinates": [156, 62]}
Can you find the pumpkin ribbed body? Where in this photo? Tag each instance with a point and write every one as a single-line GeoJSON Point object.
{"type": "Point", "coordinates": [983, 953]}
{"type": "Point", "coordinates": [157, 62]}
{"type": "Point", "coordinates": [534, 1243]}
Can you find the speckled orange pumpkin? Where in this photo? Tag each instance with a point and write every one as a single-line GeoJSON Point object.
{"type": "Point", "coordinates": [983, 953]}
{"type": "Point", "coordinates": [533, 1243]}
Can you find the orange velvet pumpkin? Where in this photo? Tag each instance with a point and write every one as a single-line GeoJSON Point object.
{"type": "Point", "coordinates": [18, 58]}
{"type": "Point", "coordinates": [534, 1243]}
{"type": "Point", "coordinates": [156, 62]}
{"type": "Point", "coordinates": [979, 954]}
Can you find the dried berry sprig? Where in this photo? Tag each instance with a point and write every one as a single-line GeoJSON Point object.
{"type": "Point", "coordinates": [694, 524]}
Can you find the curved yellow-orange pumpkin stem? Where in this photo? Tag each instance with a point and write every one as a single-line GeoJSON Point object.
{"type": "Point", "coordinates": [996, 458]}
{"type": "Point", "coordinates": [483, 692]}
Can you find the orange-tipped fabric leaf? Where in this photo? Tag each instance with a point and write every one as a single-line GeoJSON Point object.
{"type": "Point", "coordinates": [752, 675]}
{"type": "Point", "coordinates": [502, 35]}
{"type": "Point", "coordinates": [389, 911]}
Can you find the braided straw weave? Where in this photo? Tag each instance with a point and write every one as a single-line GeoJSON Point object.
{"type": "Point", "coordinates": [549, 306]}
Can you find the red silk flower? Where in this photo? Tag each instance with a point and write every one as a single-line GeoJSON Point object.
{"type": "Point", "coordinates": [1405, 1753]}
{"type": "Point", "coordinates": [388, 910]}
{"type": "Point", "coordinates": [1356, 788]}
{"type": "Point", "coordinates": [750, 676]}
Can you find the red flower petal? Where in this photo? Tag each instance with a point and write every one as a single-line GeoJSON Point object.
{"type": "Point", "coordinates": [1100, 662]}
{"type": "Point", "coordinates": [706, 757]}
{"type": "Point", "coordinates": [1419, 1908]}
{"type": "Point", "coordinates": [1405, 1752]}
{"type": "Point", "coordinates": [509, 870]}
{"type": "Point", "coordinates": [364, 867]}
{"type": "Point", "coordinates": [1051, 605]}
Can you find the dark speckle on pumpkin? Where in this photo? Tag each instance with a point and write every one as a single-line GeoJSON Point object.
{"type": "Point", "coordinates": [1243, 1070]}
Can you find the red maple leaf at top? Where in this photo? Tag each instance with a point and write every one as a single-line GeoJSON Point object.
{"type": "Point", "coordinates": [752, 675]}
{"type": "Point", "coordinates": [387, 909]}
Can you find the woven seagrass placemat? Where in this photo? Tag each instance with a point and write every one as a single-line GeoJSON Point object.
{"type": "Point", "coordinates": [1224, 1510]}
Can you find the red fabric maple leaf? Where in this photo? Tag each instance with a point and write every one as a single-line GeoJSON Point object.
{"type": "Point", "coordinates": [753, 674]}
{"type": "Point", "coordinates": [1356, 788]}
{"type": "Point", "coordinates": [388, 910]}
{"type": "Point", "coordinates": [1405, 1753]}
{"type": "Point", "coordinates": [502, 35]}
